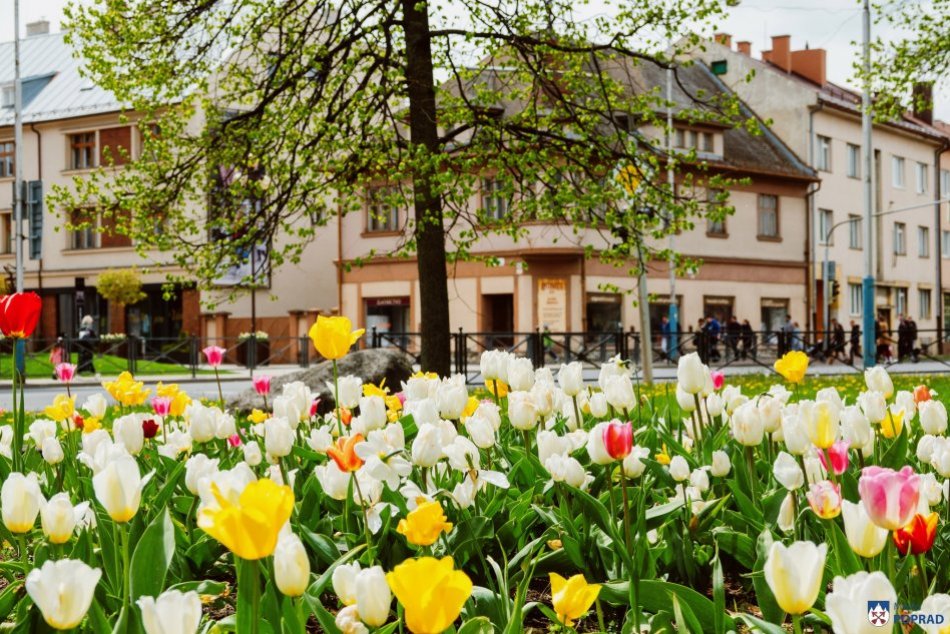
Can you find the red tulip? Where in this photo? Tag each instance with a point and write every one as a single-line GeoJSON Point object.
{"type": "Point", "coordinates": [234, 440]}
{"type": "Point", "coordinates": [261, 384]}
{"type": "Point", "coordinates": [314, 406]}
{"type": "Point", "coordinates": [149, 428]}
{"type": "Point", "coordinates": [918, 535]}
{"type": "Point", "coordinates": [19, 313]}
{"type": "Point", "coordinates": [618, 439]}
{"type": "Point", "coordinates": [921, 394]}
{"type": "Point", "coordinates": [838, 453]}
{"type": "Point", "coordinates": [718, 378]}
{"type": "Point", "coordinates": [65, 372]}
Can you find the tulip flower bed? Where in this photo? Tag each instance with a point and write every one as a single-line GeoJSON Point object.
{"type": "Point", "coordinates": [541, 503]}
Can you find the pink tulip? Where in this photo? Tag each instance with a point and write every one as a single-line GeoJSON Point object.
{"type": "Point", "coordinates": [825, 499]}
{"type": "Point", "coordinates": [261, 384]}
{"type": "Point", "coordinates": [890, 497]}
{"type": "Point", "coordinates": [618, 439]}
{"type": "Point", "coordinates": [234, 441]}
{"type": "Point", "coordinates": [838, 453]}
{"type": "Point", "coordinates": [215, 355]}
{"type": "Point", "coordinates": [314, 406]}
{"type": "Point", "coordinates": [65, 372]}
{"type": "Point", "coordinates": [402, 397]}
{"type": "Point", "coordinates": [718, 379]}
{"type": "Point", "coordinates": [161, 405]}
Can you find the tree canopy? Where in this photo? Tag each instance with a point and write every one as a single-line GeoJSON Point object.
{"type": "Point", "coordinates": [286, 112]}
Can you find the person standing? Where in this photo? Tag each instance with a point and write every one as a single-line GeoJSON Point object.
{"type": "Point", "coordinates": [733, 332]}
{"type": "Point", "coordinates": [855, 350]}
{"type": "Point", "coordinates": [87, 337]}
{"type": "Point", "coordinates": [748, 340]}
{"type": "Point", "coordinates": [912, 339]}
{"type": "Point", "coordinates": [902, 338]}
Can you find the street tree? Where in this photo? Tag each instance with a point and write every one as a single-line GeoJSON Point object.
{"type": "Point", "coordinates": [289, 112]}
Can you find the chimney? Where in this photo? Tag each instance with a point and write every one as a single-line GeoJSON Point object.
{"type": "Point", "coordinates": [745, 48]}
{"type": "Point", "coordinates": [724, 38]}
{"type": "Point", "coordinates": [781, 53]}
{"type": "Point", "coordinates": [923, 101]}
{"type": "Point", "coordinates": [40, 27]}
{"type": "Point", "coordinates": [810, 64]}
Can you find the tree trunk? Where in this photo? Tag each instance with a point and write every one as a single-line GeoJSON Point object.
{"type": "Point", "coordinates": [430, 232]}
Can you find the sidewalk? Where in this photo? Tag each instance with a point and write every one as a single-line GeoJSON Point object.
{"type": "Point", "coordinates": [227, 373]}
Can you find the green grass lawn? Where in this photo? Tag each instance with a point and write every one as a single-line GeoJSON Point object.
{"type": "Point", "coordinates": [106, 364]}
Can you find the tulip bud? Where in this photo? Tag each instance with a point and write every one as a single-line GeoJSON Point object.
{"type": "Point", "coordinates": [852, 598]}
{"type": "Point", "coordinates": [52, 451]}
{"type": "Point", "coordinates": [598, 405]}
{"type": "Point", "coordinates": [691, 373]}
{"type": "Point", "coordinates": [128, 432]}
{"type": "Point", "coordinates": [825, 499]}
{"type": "Point", "coordinates": [522, 411]}
{"type": "Point", "coordinates": [787, 472]}
{"type": "Point", "coordinates": [747, 426]}
{"type": "Point", "coordinates": [372, 413]}
{"type": "Point", "coordinates": [699, 479]}
{"type": "Point", "coordinates": [720, 464]}
{"type": "Point", "coordinates": [865, 538]}
{"type": "Point", "coordinates": [173, 612]}
{"type": "Point", "coordinates": [344, 582]}
{"type": "Point", "coordinates": [494, 365]}
{"type": "Point", "coordinates": [633, 465]}
{"type": "Point", "coordinates": [20, 500]}
{"type": "Point", "coordinates": [571, 378]}
{"type": "Point", "coordinates": [520, 376]}
{"type": "Point", "coordinates": [566, 469]}
{"type": "Point", "coordinates": [58, 518]}
{"type": "Point", "coordinates": [890, 497]}
{"type": "Point", "coordinates": [373, 596]}
{"type": "Point", "coordinates": [786, 513]}
{"type": "Point", "coordinates": [619, 392]}
{"type": "Point", "coordinates": [427, 446]}
{"type": "Point", "coordinates": [878, 380]}
{"type": "Point", "coordinates": [933, 417]}
{"type": "Point", "coordinates": [480, 430]}
{"type": "Point", "coordinates": [63, 591]}
{"type": "Point", "coordinates": [874, 406]}
{"type": "Point", "coordinates": [679, 468]}
{"type": "Point", "coordinates": [198, 467]}
{"type": "Point", "coordinates": [118, 488]}
{"type": "Point", "coordinates": [252, 453]}
{"type": "Point", "coordinates": [291, 565]}
{"type": "Point", "coordinates": [794, 574]}
{"type": "Point", "coordinates": [595, 445]}
{"type": "Point", "coordinates": [278, 437]}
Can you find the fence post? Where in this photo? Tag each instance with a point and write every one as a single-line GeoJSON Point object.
{"type": "Point", "coordinates": [303, 352]}
{"type": "Point", "coordinates": [130, 344]}
{"type": "Point", "coordinates": [252, 353]}
{"type": "Point", "coordinates": [193, 356]}
{"type": "Point", "coordinates": [538, 360]}
{"type": "Point", "coordinates": [462, 350]}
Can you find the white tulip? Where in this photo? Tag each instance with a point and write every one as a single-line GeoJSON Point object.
{"type": "Point", "coordinates": [63, 591]}
{"type": "Point", "coordinates": [571, 378]}
{"type": "Point", "coordinates": [620, 394]}
{"type": "Point", "coordinates": [933, 417]}
{"type": "Point", "coordinates": [522, 410]}
{"type": "Point", "coordinates": [771, 411]}
{"type": "Point", "coordinates": [279, 438]}
{"type": "Point", "coordinates": [373, 596]}
{"type": "Point", "coordinates": [252, 453]}
{"type": "Point", "coordinates": [794, 574]}
{"type": "Point", "coordinates": [481, 430]}
{"type": "Point", "coordinates": [20, 501]}
{"type": "Point", "coordinates": [348, 621]}
{"type": "Point", "coordinates": [452, 397]}
{"type": "Point", "coordinates": [373, 413]}
{"type": "Point", "coordinates": [874, 406]}
{"type": "Point", "coordinates": [58, 518]}
{"type": "Point", "coordinates": [852, 597]}
{"type": "Point", "coordinates": [786, 514]}
{"type": "Point", "coordinates": [344, 582]}
{"type": "Point", "coordinates": [52, 451]}
{"type": "Point", "coordinates": [128, 432]}
{"type": "Point", "coordinates": [334, 482]}
{"type": "Point", "coordinates": [544, 396]}
{"type": "Point", "coordinates": [830, 395]}
{"type": "Point", "coordinates": [787, 472]}
{"type": "Point", "coordinates": [930, 608]}
{"type": "Point", "coordinates": [40, 430]}
{"type": "Point", "coordinates": [291, 565]}
{"type": "Point", "coordinates": [96, 405]}
{"type": "Point", "coordinates": [462, 454]}
{"type": "Point", "coordinates": [494, 365]}
{"type": "Point", "coordinates": [520, 374]}
{"type": "Point", "coordinates": [794, 435]}
{"type": "Point", "coordinates": [598, 405]}
{"type": "Point", "coordinates": [351, 388]}
{"type": "Point", "coordinates": [925, 448]}
{"type": "Point", "coordinates": [197, 468]}
{"type": "Point", "coordinates": [118, 488]}
{"type": "Point", "coordinates": [633, 465]}
{"type": "Point", "coordinates": [490, 411]}
{"type": "Point", "coordinates": [424, 411]}
{"type": "Point", "coordinates": [566, 469]}
{"type": "Point", "coordinates": [699, 480]}
{"type": "Point", "coordinates": [427, 446]}
{"type": "Point", "coordinates": [685, 400]}
{"type": "Point", "coordinates": [679, 468]}
{"type": "Point", "coordinates": [298, 397]}
{"type": "Point", "coordinates": [173, 612]}
{"type": "Point", "coordinates": [720, 464]}
{"type": "Point", "coordinates": [747, 426]}
{"type": "Point", "coordinates": [202, 422]}
{"type": "Point", "coordinates": [595, 445]}
{"type": "Point", "coordinates": [855, 427]}
{"type": "Point", "coordinates": [714, 405]}
{"type": "Point", "coordinates": [906, 400]}
{"type": "Point", "coordinates": [878, 380]}
{"type": "Point", "coordinates": [691, 373]}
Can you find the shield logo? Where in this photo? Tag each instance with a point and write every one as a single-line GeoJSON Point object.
{"type": "Point", "coordinates": [879, 613]}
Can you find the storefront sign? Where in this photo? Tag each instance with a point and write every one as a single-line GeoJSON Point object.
{"type": "Point", "coordinates": [552, 304]}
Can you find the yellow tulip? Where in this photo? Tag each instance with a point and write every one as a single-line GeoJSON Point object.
{"type": "Point", "coordinates": [431, 592]}
{"type": "Point", "coordinates": [893, 423]}
{"type": "Point", "coordinates": [792, 366]}
{"type": "Point", "coordinates": [470, 407]}
{"type": "Point", "coordinates": [62, 408]}
{"type": "Point", "coordinates": [249, 529]}
{"type": "Point", "coordinates": [502, 388]}
{"type": "Point", "coordinates": [257, 416]}
{"type": "Point", "coordinates": [333, 336]}
{"type": "Point", "coordinates": [663, 457]}
{"type": "Point", "coordinates": [424, 525]}
{"type": "Point", "coordinates": [572, 598]}
{"type": "Point", "coordinates": [821, 425]}
{"type": "Point", "coordinates": [179, 399]}
{"type": "Point", "coordinates": [91, 424]}
{"type": "Point", "coordinates": [127, 390]}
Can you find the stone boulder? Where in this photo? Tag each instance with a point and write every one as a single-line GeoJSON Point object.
{"type": "Point", "coordinates": [371, 365]}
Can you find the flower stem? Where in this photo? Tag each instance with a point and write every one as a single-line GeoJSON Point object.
{"type": "Point", "coordinates": [359, 493]}
{"type": "Point", "coordinates": [750, 463]}
{"type": "Point", "coordinates": [336, 398]}
{"type": "Point", "coordinates": [626, 512]}
{"type": "Point", "coordinates": [217, 378]}
{"type": "Point", "coordinates": [577, 415]}
{"type": "Point", "coordinates": [921, 565]}
{"type": "Point", "coordinates": [797, 623]}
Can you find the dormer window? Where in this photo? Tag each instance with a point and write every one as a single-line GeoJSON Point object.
{"type": "Point", "coordinates": [698, 140]}
{"type": "Point", "coordinates": [7, 96]}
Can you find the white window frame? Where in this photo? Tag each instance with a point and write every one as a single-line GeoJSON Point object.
{"type": "Point", "coordinates": [945, 246]}
{"type": "Point", "coordinates": [856, 299]}
{"type": "Point", "coordinates": [897, 172]}
{"type": "Point", "coordinates": [494, 203]}
{"type": "Point", "coordinates": [854, 161]}
{"type": "Point", "coordinates": [826, 220]}
{"type": "Point", "coordinates": [900, 238]}
{"type": "Point", "coordinates": [823, 156]}
{"type": "Point", "coordinates": [900, 300]}
{"type": "Point", "coordinates": [924, 303]}
{"type": "Point", "coordinates": [923, 241]}
{"type": "Point", "coordinates": [921, 178]}
{"type": "Point", "coordinates": [855, 237]}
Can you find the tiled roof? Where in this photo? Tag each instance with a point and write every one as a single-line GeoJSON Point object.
{"type": "Point", "coordinates": [52, 85]}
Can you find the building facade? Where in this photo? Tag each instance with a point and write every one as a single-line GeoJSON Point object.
{"type": "Point", "coordinates": [753, 263]}
{"type": "Point", "coordinates": [72, 128]}
{"type": "Point", "coordinates": [821, 122]}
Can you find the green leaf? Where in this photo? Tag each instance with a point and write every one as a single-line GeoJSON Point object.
{"type": "Point", "coordinates": [719, 594]}
{"type": "Point", "coordinates": [655, 596]}
{"type": "Point", "coordinates": [758, 625]}
{"type": "Point", "coordinates": [763, 593]}
{"type": "Point", "coordinates": [477, 625]}
{"type": "Point", "coordinates": [152, 557]}
{"type": "Point", "coordinates": [846, 561]}
{"type": "Point", "coordinates": [739, 546]}
{"type": "Point", "coordinates": [895, 456]}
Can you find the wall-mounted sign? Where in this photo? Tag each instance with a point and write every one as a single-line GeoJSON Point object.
{"type": "Point", "coordinates": [552, 304]}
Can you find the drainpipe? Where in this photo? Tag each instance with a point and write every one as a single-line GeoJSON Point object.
{"type": "Point", "coordinates": [938, 244]}
{"type": "Point", "coordinates": [811, 244]}
{"type": "Point", "coordinates": [339, 266]}
{"type": "Point", "coordinates": [39, 176]}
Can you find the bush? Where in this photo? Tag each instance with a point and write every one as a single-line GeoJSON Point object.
{"type": "Point", "coordinates": [123, 286]}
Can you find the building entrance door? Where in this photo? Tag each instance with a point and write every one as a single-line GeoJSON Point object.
{"type": "Point", "coordinates": [498, 316]}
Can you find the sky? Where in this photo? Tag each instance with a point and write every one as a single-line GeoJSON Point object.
{"type": "Point", "coordinates": [834, 25]}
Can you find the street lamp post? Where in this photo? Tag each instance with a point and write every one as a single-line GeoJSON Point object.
{"type": "Point", "coordinates": [868, 284]}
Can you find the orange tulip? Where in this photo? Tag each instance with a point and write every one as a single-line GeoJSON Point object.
{"type": "Point", "coordinates": [918, 535]}
{"type": "Point", "coordinates": [921, 394]}
{"type": "Point", "coordinates": [344, 453]}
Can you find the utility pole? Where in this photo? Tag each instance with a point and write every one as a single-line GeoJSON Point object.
{"type": "Point", "coordinates": [17, 150]}
{"type": "Point", "coordinates": [870, 343]}
{"type": "Point", "coordinates": [672, 342]}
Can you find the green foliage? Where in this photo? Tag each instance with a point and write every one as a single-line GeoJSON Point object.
{"type": "Point", "coordinates": [122, 286]}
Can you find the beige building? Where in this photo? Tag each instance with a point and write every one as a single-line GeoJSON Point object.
{"type": "Point", "coordinates": [70, 128]}
{"type": "Point", "coordinates": [821, 122]}
{"type": "Point", "coordinates": [754, 263]}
